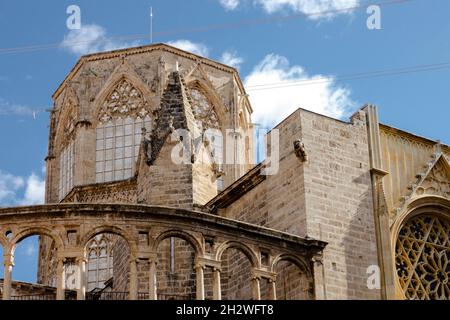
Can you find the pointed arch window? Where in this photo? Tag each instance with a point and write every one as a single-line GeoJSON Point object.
{"type": "Point", "coordinates": [423, 257]}
{"type": "Point", "coordinates": [208, 121]}
{"type": "Point", "coordinates": [118, 135]}
{"type": "Point", "coordinates": [65, 138]}
{"type": "Point", "coordinates": [66, 170]}
{"type": "Point", "coordinates": [205, 115]}
{"type": "Point", "coordinates": [100, 260]}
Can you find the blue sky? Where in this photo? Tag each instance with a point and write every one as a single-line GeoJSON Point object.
{"type": "Point", "coordinates": [322, 48]}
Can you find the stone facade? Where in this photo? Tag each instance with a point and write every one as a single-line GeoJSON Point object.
{"type": "Point", "coordinates": [327, 197]}
{"type": "Point", "coordinates": [337, 210]}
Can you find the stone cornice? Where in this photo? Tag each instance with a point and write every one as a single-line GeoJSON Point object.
{"type": "Point", "coordinates": [145, 212]}
{"type": "Point", "coordinates": [236, 190]}
{"type": "Point", "coordinates": [401, 133]}
{"type": "Point", "coordinates": [145, 49]}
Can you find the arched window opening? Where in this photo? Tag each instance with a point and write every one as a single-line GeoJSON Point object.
{"type": "Point", "coordinates": [119, 131]}
{"type": "Point", "coordinates": [66, 170]}
{"type": "Point", "coordinates": [236, 275]}
{"type": "Point", "coordinates": [291, 282]}
{"type": "Point", "coordinates": [108, 265]}
{"type": "Point", "coordinates": [176, 276]}
{"type": "Point", "coordinates": [27, 283]}
{"type": "Point", "coordinates": [422, 257]}
{"type": "Point", "coordinates": [204, 112]}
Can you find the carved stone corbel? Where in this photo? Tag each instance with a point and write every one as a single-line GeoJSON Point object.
{"type": "Point", "coordinates": [300, 151]}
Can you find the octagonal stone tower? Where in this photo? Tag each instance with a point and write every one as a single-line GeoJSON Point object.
{"type": "Point", "coordinates": [118, 123]}
{"type": "Point", "coordinates": [103, 105]}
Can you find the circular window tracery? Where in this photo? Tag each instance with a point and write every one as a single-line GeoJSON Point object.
{"type": "Point", "coordinates": [422, 257]}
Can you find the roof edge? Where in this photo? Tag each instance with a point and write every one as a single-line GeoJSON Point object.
{"type": "Point", "coordinates": [142, 49]}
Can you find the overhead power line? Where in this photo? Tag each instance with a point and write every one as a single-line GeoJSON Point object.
{"type": "Point", "coordinates": [224, 26]}
{"type": "Point", "coordinates": [354, 76]}
{"type": "Point", "coordinates": [320, 80]}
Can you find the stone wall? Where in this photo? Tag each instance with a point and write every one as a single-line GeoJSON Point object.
{"type": "Point", "coordinates": [236, 276]}
{"type": "Point", "coordinates": [165, 183]}
{"type": "Point", "coordinates": [121, 265]}
{"type": "Point", "coordinates": [175, 269]}
{"type": "Point", "coordinates": [279, 201]}
{"type": "Point", "coordinates": [339, 204]}
{"type": "Point", "coordinates": [328, 197]}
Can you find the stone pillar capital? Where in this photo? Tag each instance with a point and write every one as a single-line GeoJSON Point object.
{"type": "Point", "coordinates": [8, 260]}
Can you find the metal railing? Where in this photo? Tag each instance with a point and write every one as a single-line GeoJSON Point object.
{"type": "Point", "coordinates": [111, 295]}
{"type": "Point", "coordinates": [108, 295]}
{"type": "Point", "coordinates": [35, 297]}
{"type": "Point", "coordinates": [163, 296]}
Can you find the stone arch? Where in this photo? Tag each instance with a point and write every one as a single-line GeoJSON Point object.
{"type": "Point", "coordinates": [294, 279]}
{"type": "Point", "coordinates": [435, 203]}
{"type": "Point", "coordinates": [300, 263]}
{"type": "Point", "coordinates": [69, 113]}
{"type": "Point", "coordinates": [110, 251]}
{"type": "Point", "coordinates": [123, 72]}
{"type": "Point", "coordinates": [251, 255]}
{"type": "Point", "coordinates": [110, 229]}
{"type": "Point", "coordinates": [199, 250]}
{"type": "Point", "coordinates": [237, 270]}
{"type": "Point", "coordinates": [37, 231]}
{"type": "Point", "coordinates": [426, 207]}
{"type": "Point", "coordinates": [219, 108]}
{"type": "Point", "coordinates": [177, 253]}
{"type": "Point", "coordinates": [3, 241]}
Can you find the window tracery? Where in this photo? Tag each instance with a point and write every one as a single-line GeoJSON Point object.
{"type": "Point", "coordinates": [100, 260]}
{"type": "Point", "coordinates": [422, 258]}
{"type": "Point", "coordinates": [205, 115]}
{"type": "Point", "coordinates": [119, 132]}
{"type": "Point", "coordinates": [66, 143]}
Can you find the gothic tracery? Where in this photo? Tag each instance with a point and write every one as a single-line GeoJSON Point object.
{"type": "Point", "coordinates": [124, 100]}
{"type": "Point", "coordinates": [203, 110]}
{"type": "Point", "coordinates": [422, 258]}
{"type": "Point", "coordinates": [118, 134]}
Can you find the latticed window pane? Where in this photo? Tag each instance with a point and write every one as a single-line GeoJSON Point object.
{"type": "Point", "coordinates": [66, 170]}
{"type": "Point", "coordinates": [119, 132]}
{"type": "Point", "coordinates": [422, 258]}
{"type": "Point", "coordinates": [100, 260]}
{"type": "Point", "coordinates": [119, 150]}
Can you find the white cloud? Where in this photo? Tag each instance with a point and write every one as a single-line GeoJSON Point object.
{"type": "Point", "coordinates": [32, 189]}
{"type": "Point", "coordinates": [9, 185]}
{"type": "Point", "coordinates": [92, 38]}
{"type": "Point", "coordinates": [273, 105]}
{"type": "Point", "coordinates": [35, 191]}
{"type": "Point", "coordinates": [229, 4]}
{"type": "Point", "coordinates": [327, 8]}
{"type": "Point", "coordinates": [231, 58]}
{"type": "Point", "coordinates": [186, 45]}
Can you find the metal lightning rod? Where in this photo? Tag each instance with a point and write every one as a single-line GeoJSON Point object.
{"type": "Point", "coordinates": [151, 25]}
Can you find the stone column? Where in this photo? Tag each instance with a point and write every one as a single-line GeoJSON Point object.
{"type": "Point", "coordinates": [60, 279]}
{"type": "Point", "coordinates": [133, 280]}
{"type": "Point", "coordinates": [200, 282]}
{"type": "Point", "coordinates": [8, 260]}
{"type": "Point", "coordinates": [256, 288]}
{"type": "Point", "coordinates": [272, 289]}
{"type": "Point", "coordinates": [81, 289]}
{"type": "Point", "coordinates": [152, 283]}
{"type": "Point", "coordinates": [217, 290]}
